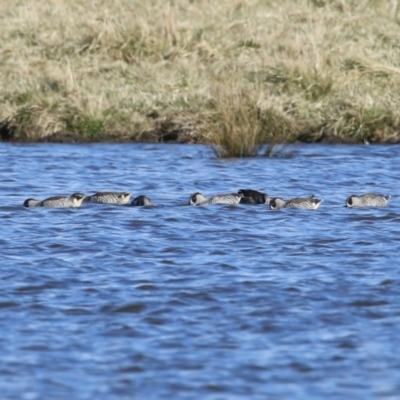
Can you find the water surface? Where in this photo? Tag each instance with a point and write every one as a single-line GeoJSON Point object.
{"type": "Point", "coordinates": [180, 302]}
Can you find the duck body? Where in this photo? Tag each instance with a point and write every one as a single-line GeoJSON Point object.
{"type": "Point", "coordinates": [197, 199]}
{"type": "Point", "coordinates": [367, 200]}
{"type": "Point", "coordinates": [250, 196]}
{"type": "Point", "coordinates": [109, 197]}
{"type": "Point", "coordinates": [72, 201]}
{"type": "Point", "coordinates": [305, 203]}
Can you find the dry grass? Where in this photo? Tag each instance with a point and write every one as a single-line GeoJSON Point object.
{"type": "Point", "coordinates": [240, 124]}
{"type": "Point", "coordinates": [237, 74]}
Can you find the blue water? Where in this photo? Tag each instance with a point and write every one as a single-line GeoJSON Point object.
{"type": "Point", "coordinates": [216, 302]}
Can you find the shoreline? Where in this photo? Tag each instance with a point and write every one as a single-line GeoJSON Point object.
{"type": "Point", "coordinates": [175, 137]}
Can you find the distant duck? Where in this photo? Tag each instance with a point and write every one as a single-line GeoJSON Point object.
{"type": "Point", "coordinates": [367, 200]}
{"type": "Point", "coordinates": [141, 201]}
{"type": "Point", "coordinates": [73, 201]}
{"type": "Point", "coordinates": [197, 199]}
{"type": "Point", "coordinates": [253, 197]}
{"type": "Point", "coordinates": [307, 203]}
{"type": "Point", "coordinates": [109, 197]}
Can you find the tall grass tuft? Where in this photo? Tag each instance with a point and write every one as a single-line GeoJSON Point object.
{"type": "Point", "coordinates": [239, 126]}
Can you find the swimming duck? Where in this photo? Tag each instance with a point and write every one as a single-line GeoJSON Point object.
{"type": "Point", "coordinates": [197, 199]}
{"type": "Point", "coordinates": [307, 203]}
{"type": "Point", "coordinates": [109, 197]}
{"type": "Point", "coordinates": [74, 201]}
{"type": "Point", "coordinates": [141, 201]}
{"type": "Point", "coordinates": [367, 200]}
{"type": "Point", "coordinates": [253, 197]}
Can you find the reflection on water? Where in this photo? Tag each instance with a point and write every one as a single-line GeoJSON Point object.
{"type": "Point", "coordinates": [185, 302]}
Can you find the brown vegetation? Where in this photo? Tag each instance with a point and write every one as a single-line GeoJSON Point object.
{"type": "Point", "coordinates": [236, 74]}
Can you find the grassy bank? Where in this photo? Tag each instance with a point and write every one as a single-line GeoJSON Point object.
{"type": "Point", "coordinates": [233, 73]}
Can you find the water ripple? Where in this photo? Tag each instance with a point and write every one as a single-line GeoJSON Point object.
{"type": "Point", "coordinates": [198, 302]}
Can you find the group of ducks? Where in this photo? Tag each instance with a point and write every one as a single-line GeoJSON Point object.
{"type": "Point", "coordinates": [249, 196]}
{"type": "Point", "coordinates": [243, 196]}
{"type": "Point", "coordinates": [76, 200]}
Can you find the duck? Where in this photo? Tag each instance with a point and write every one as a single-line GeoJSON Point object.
{"type": "Point", "coordinates": [74, 201]}
{"type": "Point", "coordinates": [306, 203]}
{"type": "Point", "coordinates": [367, 200]}
{"type": "Point", "coordinates": [109, 197]}
{"type": "Point", "coordinates": [141, 201]}
{"type": "Point", "coordinates": [250, 196]}
{"type": "Point", "coordinates": [197, 199]}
